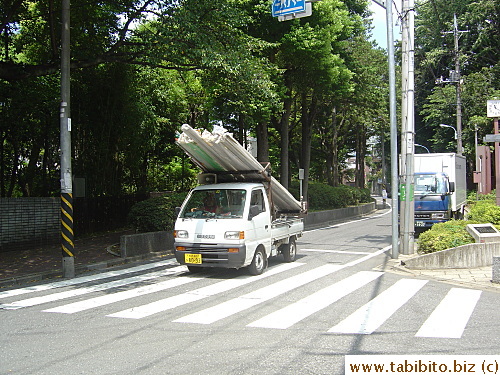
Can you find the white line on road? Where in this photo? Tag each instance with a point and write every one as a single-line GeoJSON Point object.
{"type": "Point", "coordinates": [95, 288]}
{"type": "Point", "coordinates": [84, 279]}
{"type": "Point", "coordinates": [291, 314]}
{"type": "Point", "coordinates": [450, 317]}
{"type": "Point", "coordinates": [121, 296]}
{"type": "Point", "coordinates": [256, 297]}
{"type": "Point", "coordinates": [372, 315]}
{"type": "Point", "coordinates": [185, 298]}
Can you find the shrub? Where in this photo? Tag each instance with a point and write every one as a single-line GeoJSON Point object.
{"type": "Point", "coordinates": [326, 197]}
{"type": "Point", "coordinates": [443, 236]}
{"type": "Point", "coordinates": [155, 214]}
{"type": "Point", "coordinates": [485, 211]}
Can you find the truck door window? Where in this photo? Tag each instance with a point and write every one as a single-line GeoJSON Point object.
{"type": "Point", "coordinates": [257, 199]}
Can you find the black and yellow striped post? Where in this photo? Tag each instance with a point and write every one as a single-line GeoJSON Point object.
{"type": "Point", "coordinates": [67, 235]}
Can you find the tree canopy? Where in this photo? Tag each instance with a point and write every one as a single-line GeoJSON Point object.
{"type": "Point", "coordinates": [313, 91]}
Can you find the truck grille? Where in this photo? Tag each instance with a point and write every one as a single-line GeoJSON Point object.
{"type": "Point", "coordinates": [422, 216]}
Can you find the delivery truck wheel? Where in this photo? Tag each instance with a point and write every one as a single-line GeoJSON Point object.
{"type": "Point", "coordinates": [258, 263]}
{"type": "Point", "coordinates": [289, 251]}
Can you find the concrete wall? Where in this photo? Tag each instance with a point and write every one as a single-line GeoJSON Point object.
{"type": "Point", "coordinates": [321, 218]}
{"type": "Point", "coordinates": [28, 222]}
{"type": "Point", "coordinates": [144, 243]}
{"type": "Point", "coordinates": [465, 256]}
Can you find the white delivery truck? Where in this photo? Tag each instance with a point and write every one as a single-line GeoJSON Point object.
{"type": "Point", "coordinates": [239, 216]}
{"type": "Point", "coordinates": [440, 190]}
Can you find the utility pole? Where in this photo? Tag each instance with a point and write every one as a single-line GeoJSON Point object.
{"type": "Point", "coordinates": [67, 245]}
{"type": "Point", "coordinates": [387, 4]}
{"type": "Point", "coordinates": [455, 77]}
{"type": "Point", "coordinates": [408, 128]}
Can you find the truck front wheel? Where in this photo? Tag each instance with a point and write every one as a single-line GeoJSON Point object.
{"type": "Point", "coordinates": [258, 262]}
{"type": "Point", "coordinates": [289, 251]}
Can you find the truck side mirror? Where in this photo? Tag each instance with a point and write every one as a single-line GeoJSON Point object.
{"type": "Point", "coordinates": [452, 187]}
{"type": "Point", "coordinates": [254, 211]}
{"type": "Point", "coordinates": [177, 211]}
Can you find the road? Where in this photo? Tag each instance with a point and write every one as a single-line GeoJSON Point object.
{"type": "Point", "coordinates": [296, 318]}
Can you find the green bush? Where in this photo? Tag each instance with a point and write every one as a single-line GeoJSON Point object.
{"type": "Point", "coordinates": [326, 197]}
{"type": "Point", "coordinates": [443, 236]}
{"type": "Point", "coordinates": [485, 211]}
{"type": "Point", "coordinates": [155, 214]}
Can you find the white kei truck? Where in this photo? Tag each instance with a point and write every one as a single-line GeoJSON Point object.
{"type": "Point", "coordinates": [240, 216]}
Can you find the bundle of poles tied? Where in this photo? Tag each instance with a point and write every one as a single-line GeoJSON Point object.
{"type": "Point", "coordinates": [219, 153]}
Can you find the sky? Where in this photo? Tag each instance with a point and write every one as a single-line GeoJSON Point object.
{"type": "Point", "coordinates": [379, 32]}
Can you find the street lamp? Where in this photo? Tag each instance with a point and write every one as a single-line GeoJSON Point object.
{"type": "Point", "coordinates": [416, 144]}
{"type": "Point", "coordinates": [449, 126]}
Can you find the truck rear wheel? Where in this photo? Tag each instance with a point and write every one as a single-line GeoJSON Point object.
{"type": "Point", "coordinates": [289, 251]}
{"type": "Point", "coordinates": [258, 262]}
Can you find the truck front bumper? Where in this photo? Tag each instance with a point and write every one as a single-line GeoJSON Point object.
{"type": "Point", "coordinates": [212, 255]}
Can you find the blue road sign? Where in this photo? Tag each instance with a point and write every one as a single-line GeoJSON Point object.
{"type": "Point", "coordinates": [282, 7]}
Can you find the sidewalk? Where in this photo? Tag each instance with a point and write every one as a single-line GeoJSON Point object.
{"type": "Point", "coordinates": [477, 278]}
{"type": "Point", "coordinates": [36, 264]}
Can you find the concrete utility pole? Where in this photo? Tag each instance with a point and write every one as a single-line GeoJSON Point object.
{"type": "Point", "coordinates": [68, 261]}
{"type": "Point", "coordinates": [455, 77]}
{"type": "Point", "coordinates": [408, 128]}
{"type": "Point", "coordinates": [387, 4]}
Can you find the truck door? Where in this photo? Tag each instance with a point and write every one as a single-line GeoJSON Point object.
{"type": "Point", "coordinates": [261, 223]}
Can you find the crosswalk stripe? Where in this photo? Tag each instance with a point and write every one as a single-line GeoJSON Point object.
{"type": "Point", "coordinates": [233, 306]}
{"type": "Point", "coordinates": [85, 279]}
{"type": "Point", "coordinates": [450, 317]}
{"type": "Point", "coordinates": [211, 290]}
{"type": "Point", "coordinates": [95, 288]}
{"type": "Point", "coordinates": [121, 296]}
{"type": "Point", "coordinates": [372, 315]}
{"type": "Point", "coordinates": [291, 314]}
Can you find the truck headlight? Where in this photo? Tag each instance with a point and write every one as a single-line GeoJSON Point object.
{"type": "Point", "coordinates": [234, 235]}
{"type": "Point", "coordinates": [439, 216]}
{"type": "Point", "coordinates": [180, 233]}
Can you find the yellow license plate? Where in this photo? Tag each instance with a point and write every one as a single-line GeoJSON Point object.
{"type": "Point", "coordinates": [192, 258]}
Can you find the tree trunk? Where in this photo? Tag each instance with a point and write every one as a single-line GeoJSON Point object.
{"type": "Point", "coordinates": [360, 156]}
{"type": "Point", "coordinates": [262, 143]}
{"type": "Point", "coordinates": [285, 140]}
{"type": "Point", "coordinates": [307, 118]}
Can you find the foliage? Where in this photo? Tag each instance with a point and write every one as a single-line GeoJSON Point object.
{"type": "Point", "coordinates": [156, 214]}
{"type": "Point", "coordinates": [452, 233]}
{"type": "Point", "coordinates": [485, 211]}
{"type": "Point", "coordinates": [326, 197]}
{"type": "Point", "coordinates": [443, 236]}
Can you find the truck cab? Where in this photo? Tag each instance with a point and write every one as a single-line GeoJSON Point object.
{"type": "Point", "coordinates": [432, 194]}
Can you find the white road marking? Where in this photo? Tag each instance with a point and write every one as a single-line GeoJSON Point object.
{"type": "Point", "coordinates": [450, 317]}
{"type": "Point", "coordinates": [121, 296]}
{"type": "Point", "coordinates": [291, 314]}
{"type": "Point", "coordinates": [185, 298]}
{"type": "Point", "coordinates": [372, 315]}
{"type": "Point", "coordinates": [258, 296]}
{"type": "Point", "coordinates": [84, 279]}
{"type": "Point", "coordinates": [95, 288]}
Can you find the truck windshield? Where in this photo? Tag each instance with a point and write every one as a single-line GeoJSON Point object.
{"type": "Point", "coordinates": [430, 184]}
{"type": "Point", "coordinates": [217, 203]}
